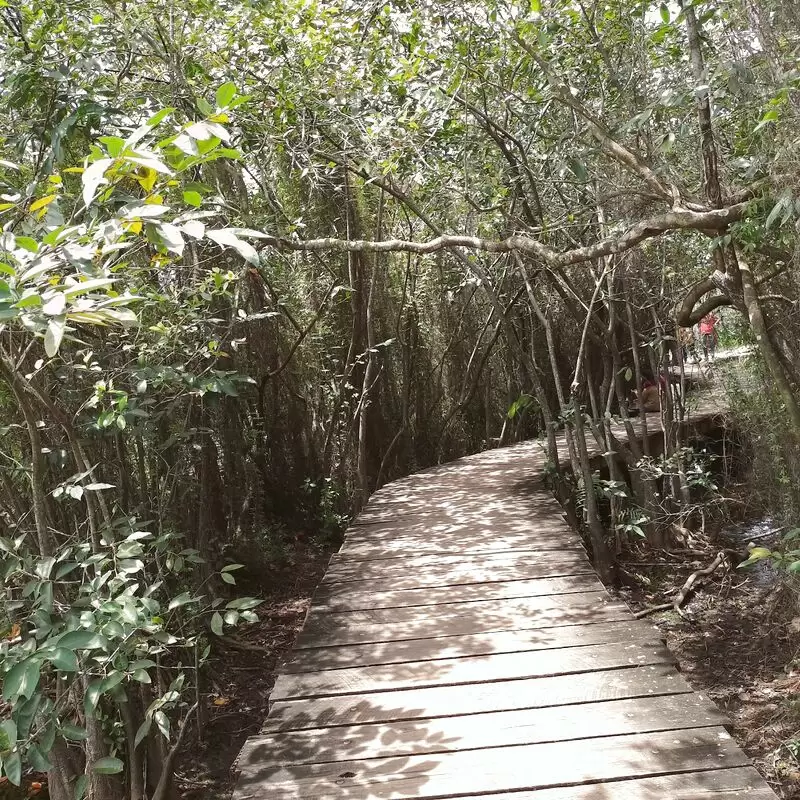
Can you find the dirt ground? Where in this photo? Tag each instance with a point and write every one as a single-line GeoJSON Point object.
{"type": "Point", "coordinates": [739, 643]}
{"type": "Point", "coordinates": [242, 676]}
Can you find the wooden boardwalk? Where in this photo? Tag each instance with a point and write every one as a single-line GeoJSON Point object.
{"type": "Point", "coordinates": [460, 645]}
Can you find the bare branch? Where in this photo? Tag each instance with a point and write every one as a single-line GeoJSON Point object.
{"type": "Point", "coordinates": [679, 219]}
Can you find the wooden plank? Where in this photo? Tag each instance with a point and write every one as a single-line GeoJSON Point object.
{"type": "Point", "coordinates": [468, 542]}
{"type": "Point", "coordinates": [344, 597]}
{"type": "Point", "coordinates": [441, 562]}
{"type": "Point", "coordinates": [514, 518]}
{"type": "Point", "coordinates": [478, 731]}
{"type": "Point", "coordinates": [497, 607]}
{"type": "Point", "coordinates": [740, 783]}
{"type": "Point", "coordinates": [459, 574]}
{"type": "Point", "coordinates": [537, 519]}
{"type": "Point", "coordinates": [508, 769]}
{"type": "Point", "coordinates": [357, 627]}
{"type": "Point", "coordinates": [440, 701]}
{"type": "Point", "coordinates": [514, 641]}
{"type": "Point", "coordinates": [451, 671]}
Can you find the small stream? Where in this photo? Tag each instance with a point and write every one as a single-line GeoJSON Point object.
{"type": "Point", "coordinates": [764, 532]}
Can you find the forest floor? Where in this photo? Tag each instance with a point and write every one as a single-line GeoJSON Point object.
{"type": "Point", "coordinates": [243, 670]}
{"type": "Point", "coordinates": [739, 643]}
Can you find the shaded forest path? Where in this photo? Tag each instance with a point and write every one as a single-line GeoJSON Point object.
{"type": "Point", "coordinates": [460, 644]}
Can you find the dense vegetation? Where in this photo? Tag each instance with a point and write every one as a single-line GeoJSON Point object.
{"type": "Point", "coordinates": [257, 259]}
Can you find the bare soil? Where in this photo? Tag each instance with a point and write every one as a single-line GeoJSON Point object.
{"type": "Point", "coordinates": [243, 672]}
{"type": "Point", "coordinates": [739, 643]}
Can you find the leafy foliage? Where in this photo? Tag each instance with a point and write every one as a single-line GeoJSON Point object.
{"type": "Point", "coordinates": [202, 349]}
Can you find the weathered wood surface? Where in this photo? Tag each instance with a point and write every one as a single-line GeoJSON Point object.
{"type": "Point", "coordinates": [460, 645]}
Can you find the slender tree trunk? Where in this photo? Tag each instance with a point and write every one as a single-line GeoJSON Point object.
{"type": "Point", "coordinates": [765, 345]}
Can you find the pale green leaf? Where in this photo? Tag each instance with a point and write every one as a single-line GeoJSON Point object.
{"type": "Point", "coordinates": [193, 198]}
{"type": "Point", "coordinates": [216, 623]}
{"type": "Point", "coordinates": [93, 176]}
{"type": "Point", "coordinates": [38, 759]}
{"type": "Point", "coordinates": [54, 335]}
{"type": "Point", "coordinates": [12, 764]}
{"type": "Point", "coordinates": [108, 766]}
{"type": "Point", "coordinates": [144, 729]}
{"type": "Point", "coordinates": [225, 94]}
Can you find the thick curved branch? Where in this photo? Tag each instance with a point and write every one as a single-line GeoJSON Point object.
{"type": "Point", "coordinates": [690, 313]}
{"type": "Point", "coordinates": [680, 219]}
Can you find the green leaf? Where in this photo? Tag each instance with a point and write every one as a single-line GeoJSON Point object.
{"type": "Point", "coordinates": [770, 116]}
{"type": "Point", "coordinates": [778, 209]}
{"type": "Point", "coordinates": [8, 734]}
{"type": "Point", "coordinates": [232, 567]}
{"type": "Point", "coordinates": [13, 767]}
{"type": "Point", "coordinates": [112, 680]}
{"type": "Point", "coordinates": [244, 603]}
{"type": "Point", "coordinates": [578, 169]}
{"type": "Point", "coordinates": [80, 787]}
{"type": "Point", "coordinates": [163, 723]}
{"type": "Point", "coordinates": [21, 680]}
{"type": "Point", "coordinates": [26, 714]}
{"type": "Point", "coordinates": [114, 145]}
{"type": "Point", "coordinates": [180, 600]}
{"type": "Point", "coordinates": [216, 623]}
{"type": "Point", "coordinates": [225, 94]}
{"type": "Point", "coordinates": [64, 660]}
{"type": "Point", "coordinates": [38, 759]}
{"type": "Point", "coordinates": [231, 617]}
{"type": "Point", "coordinates": [141, 675]}
{"type": "Point", "coordinates": [159, 116]}
{"type": "Point", "coordinates": [664, 11]}
{"type": "Point", "coordinates": [74, 732]}
{"type": "Point", "coordinates": [206, 109]}
{"type": "Point", "coordinates": [82, 640]}
{"type": "Point", "coordinates": [48, 738]}
{"type": "Point", "coordinates": [108, 766]}
{"type": "Point", "coordinates": [88, 286]}
{"type": "Point", "coordinates": [26, 243]}
{"type": "Point", "coordinates": [193, 198]}
{"type": "Point", "coordinates": [144, 729]}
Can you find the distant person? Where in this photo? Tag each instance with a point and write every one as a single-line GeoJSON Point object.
{"type": "Point", "coordinates": [686, 341]}
{"type": "Point", "coordinates": [708, 335]}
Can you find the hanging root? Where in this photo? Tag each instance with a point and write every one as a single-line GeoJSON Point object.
{"type": "Point", "coordinates": [680, 598]}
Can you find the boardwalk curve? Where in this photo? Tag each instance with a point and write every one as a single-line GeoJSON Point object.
{"type": "Point", "coordinates": [461, 645]}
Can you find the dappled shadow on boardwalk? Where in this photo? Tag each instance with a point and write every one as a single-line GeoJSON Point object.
{"type": "Point", "coordinates": [460, 645]}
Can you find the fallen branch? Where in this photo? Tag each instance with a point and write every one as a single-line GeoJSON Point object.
{"type": "Point", "coordinates": [680, 598]}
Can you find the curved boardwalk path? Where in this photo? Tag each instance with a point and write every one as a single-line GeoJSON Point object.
{"type": "Point", "coordinates": [460, 645]}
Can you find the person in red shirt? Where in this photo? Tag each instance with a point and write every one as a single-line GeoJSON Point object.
{"type": "Point", "coordinates": [708, 335]}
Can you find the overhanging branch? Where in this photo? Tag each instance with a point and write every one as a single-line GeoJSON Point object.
{"type": "Point", "coordinates": [679, 219]}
